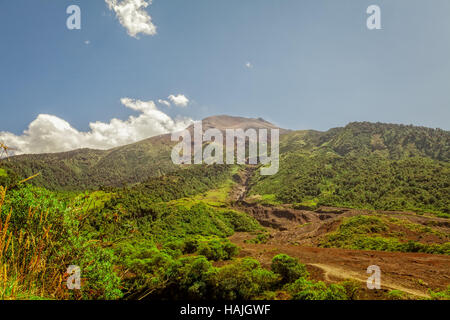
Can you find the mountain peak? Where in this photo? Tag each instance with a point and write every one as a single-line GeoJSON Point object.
{"type": "Point", "coordinates": [223, 122]}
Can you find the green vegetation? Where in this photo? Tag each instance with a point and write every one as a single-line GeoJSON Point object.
{"type": "Point", "coordinates": [362, 139]}
{"type": "Point", "coordinates": [288, 268]}
{"type": "Point", "coordinates": [396, 295]}
{"type": "Point", "coordinates": [40, 237]}
{"type": "Point", "coordinates": [182, 183]}
{"type": "Point", "coordinates": [195, 278]}
{"type": "Point", "coordinates": [433, 295]}
{"type": "Point", "coordinates": [372, 233]}
{"type": "Point", "coordinates": [8, 177]}
{"type": "Point", "coordinates": [165, 255]}
{"type": "Point", "coordinates": [440, 295]}
{"type": "Point", "coordinates": [414, 184]}
{"type": "Point", "coordinates": [126, 241]}
{"type": "Point", "coordinates": [91, 169]}
{"type": "Point", "coordinates": [261, 237]}
{"type": "Point", "coordinates": [216, 249]}
{"type": "Point", "coordinates": [364, 165]}
{"type": "Point", "coordinates": [140, 227]}
{"type": "Point", "coordinates": [303, 289]}
{"type": "Point", "coordinates": [135, 201]}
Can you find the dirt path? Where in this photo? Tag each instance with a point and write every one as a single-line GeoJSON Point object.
{"type": "Point", "coordinates": [413, 273]}
{"type": "Point", "coordinates": [339, 273]}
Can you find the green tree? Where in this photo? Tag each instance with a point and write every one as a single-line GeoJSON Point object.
{"type": "Point", "coordinates": [288, 268]}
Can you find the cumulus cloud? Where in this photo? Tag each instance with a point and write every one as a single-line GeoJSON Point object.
{"type": "Point", "coordinates": [132, 15]}
{"type": "Point", "coordinates": [179, 100]}
{"type": "Point", "coordinates": [164, 102]}
{"type": "Point", "coordinates": [48, 133]}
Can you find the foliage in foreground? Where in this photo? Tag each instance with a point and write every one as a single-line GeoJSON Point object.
{"type": "Point", "coordinates": [195, 278]}
{"type": "Point", "coordinates": [440, 295]}
{"type": "Point", "coordinates": [148, 242]}
{"type": "Point", "coordinates": [40, 237]}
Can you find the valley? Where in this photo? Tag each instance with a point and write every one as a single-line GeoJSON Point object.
{"type": "Point", "coordinates": [298, 234]}
{"type": "Point", "coordinates": [140, 227]}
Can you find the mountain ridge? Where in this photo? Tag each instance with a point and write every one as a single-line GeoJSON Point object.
{"type": "Point", "coordinates": [133, 163]}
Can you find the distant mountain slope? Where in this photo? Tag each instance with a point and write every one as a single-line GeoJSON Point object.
{"type": "Point", "coordinates": [363, 165]}
{"type": "Point", "coordinates": [393, 141]}
{"type": "Point", "coordinates": [223, 122]}
{"type": "Point", "coordinates": [129, 164]}
{"type": "Point", "coordinates": [134, 163]}
{"type": "Point", "coordinates": [85, 168]}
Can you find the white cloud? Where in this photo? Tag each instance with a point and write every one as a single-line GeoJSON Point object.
{"type": "Point", "coordinates": [48, 133]}
{"type": "Point", "coordinates": [87, 42]}
{"type": "Point", "coordinates": [164, 102]}
{"type": "Point", "coordinates": [179, 100]}
{"type": "Point", "coordinates": [248, 65]}
{"type": "Point", "coordinates": [132, 15]}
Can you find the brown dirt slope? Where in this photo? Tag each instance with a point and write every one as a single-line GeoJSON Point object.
{"type": "Point", "coordinates": [298, 232]}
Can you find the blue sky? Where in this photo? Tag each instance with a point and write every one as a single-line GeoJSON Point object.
{"type": "Point", "coordinates": [314, 64]}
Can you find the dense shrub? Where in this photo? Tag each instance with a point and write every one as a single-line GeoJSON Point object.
{"type": "Point", "coordinates": [242, 280]}
{"type": "Point", "coordinates": [189, 278]}
{"type": "Point", "coordinates": [303, 289]}
{"type": "Point", "coordinates": [288, 268]}
{"type": "Point", "coordinates": [217, 249]}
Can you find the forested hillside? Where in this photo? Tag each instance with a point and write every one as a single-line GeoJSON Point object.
{"type": "Point", "coordinates": [90, 169]}
{"type": "Point", "coordinates": [364, 165]}
{"type": "Point", "coordinates": [140, 227]}
{"type": "Point", "coordinates": [394, 141]}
